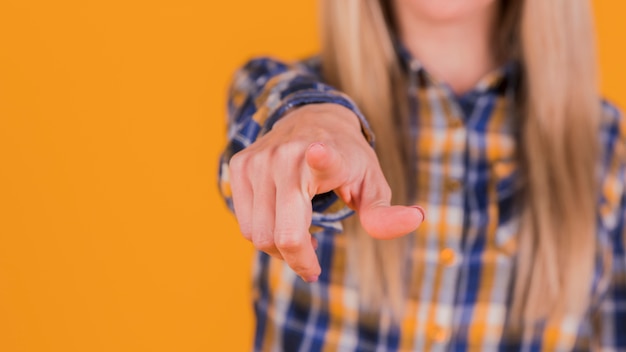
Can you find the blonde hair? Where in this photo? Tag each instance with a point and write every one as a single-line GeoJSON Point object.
{"type": "Point", "coordinates": [558, 108]}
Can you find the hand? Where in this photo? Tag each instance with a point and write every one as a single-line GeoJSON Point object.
{"type": "Point", "coordinates": [313, 149]}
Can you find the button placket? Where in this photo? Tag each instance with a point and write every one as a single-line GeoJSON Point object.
{"type": "Point", "coordinates": [449, 254]}
{"type": "Point", "coordinates": [455, 123]}
{"type": "Point", "coordinates": [438, 333]}
{"type": "Point", "coordinates": [448, 135]}
{"type": "Point", "coordinates": [453, 185]}
{"type": "Point", "coordinates": [448, 257]}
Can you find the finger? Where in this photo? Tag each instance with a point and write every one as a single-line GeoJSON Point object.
{"type": "Point", "coordinates": [241, 195]}
{"type": "Point", "coordinates": [291, 234]}
{"type": "Point", "coordinates": [326, 167]}
{"type": "Point", "coordinates": [314, 242]}
{"type": "Point", "coordinates": [264, 205]}
{"type": "Point", "coordinates": [378, 217]}
{"type": "Point", "coordinates": [387, 222]}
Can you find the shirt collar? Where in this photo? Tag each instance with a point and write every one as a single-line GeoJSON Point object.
{"type": "Point", "coordinates": [499, 79]}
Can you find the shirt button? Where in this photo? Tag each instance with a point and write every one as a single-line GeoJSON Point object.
{"type": "Point", "coordinates": [456, 123]}
{"type": "Point", "coordinates": [448, 257]}
{"type": "Point", "coordinates": [452, 185]}
{"type": "Point", "coordinates": [437, 333]}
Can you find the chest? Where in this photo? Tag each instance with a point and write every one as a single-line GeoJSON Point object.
{"type": "Point", "coordinates": [466, 175]}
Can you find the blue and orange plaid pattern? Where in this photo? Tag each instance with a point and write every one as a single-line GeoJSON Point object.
{"type": "Point", "coordinates": [463, 256]}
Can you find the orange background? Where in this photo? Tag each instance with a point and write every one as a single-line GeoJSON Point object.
{"type": "Point", "coordinates": [112, 234]}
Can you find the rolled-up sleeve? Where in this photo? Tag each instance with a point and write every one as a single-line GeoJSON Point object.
{"type": "Point", "coordinates": [261, 93]}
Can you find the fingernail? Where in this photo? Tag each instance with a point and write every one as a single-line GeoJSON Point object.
{"type": "Point", "coordinates": [316, 145]}
{"type": "Point", "coordinates": [421, 210]}
{"type": "Point", "coordinates": [312, 279]}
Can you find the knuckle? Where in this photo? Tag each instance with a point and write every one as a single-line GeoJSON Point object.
{"type": "Point", "coordinates": [263, 241]}
{"type": "Point", "coordinates": [289, 241]}
{"type": "Point", "coordinates": [260, 162]}
{"type": "Point", "coordinates": [381, 188]}
{"type": "Point", "coordinates": [385, 191]}
{"type": "Point", "coordinates": [288, 151]}
{"type": "Point", "coordinates": [237, 162]}
{"type": "Point", "coordinates": [246, 231]}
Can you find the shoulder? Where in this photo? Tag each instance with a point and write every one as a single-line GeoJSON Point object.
{"type": "Point", "coordinates": [611, 176]}
{"type": "Point", "coordinates": [612, 125]}
{"type": "Point", "coordinates": [610, 256]}
{"type": "Point", "coordinates": [612, 165]}
{"type": "Point", "coordinates": [263, 66]}
{"type": "Point", "coordinates": [263, 73]}
{"type": "Point", "coordinates": [612, 135]}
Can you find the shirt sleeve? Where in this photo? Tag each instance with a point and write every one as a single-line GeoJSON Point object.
{"type": "Point", "coordinates": [262, 92]}
{"type": "Point", "coordinates": [610, 316]}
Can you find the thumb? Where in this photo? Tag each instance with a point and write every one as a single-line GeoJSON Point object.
{"type": "Point", "coordinates": [379, 218]}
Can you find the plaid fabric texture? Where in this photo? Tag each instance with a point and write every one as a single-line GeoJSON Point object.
{"type": "Point", "coordinates": [463, 256]}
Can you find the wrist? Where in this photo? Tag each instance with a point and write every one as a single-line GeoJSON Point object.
{"type": "Point", "coordinates": [335, 113]}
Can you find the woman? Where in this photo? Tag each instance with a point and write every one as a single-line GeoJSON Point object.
{"type": "Point", "coordinates": [487, 117]}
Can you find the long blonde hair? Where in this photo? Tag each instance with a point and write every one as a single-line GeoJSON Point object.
{"type": "Point", "coordinates": [558, 108]}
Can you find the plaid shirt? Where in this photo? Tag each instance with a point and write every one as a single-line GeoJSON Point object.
{"type": "Point", "coordinates": [463, 255]}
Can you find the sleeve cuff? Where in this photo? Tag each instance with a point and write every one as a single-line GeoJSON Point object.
{"type": "Point", "coordinates": [313, 96]}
